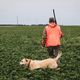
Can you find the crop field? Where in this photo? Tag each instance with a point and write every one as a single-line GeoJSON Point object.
{"type": "Point", "coordinates": [25, 42]}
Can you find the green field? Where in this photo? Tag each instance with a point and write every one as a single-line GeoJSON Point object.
{"type": "Point", "coordinates": [25, 41]}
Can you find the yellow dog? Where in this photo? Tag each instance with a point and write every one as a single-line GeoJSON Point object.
{"type": "Point", "coordinates": [46, 63]}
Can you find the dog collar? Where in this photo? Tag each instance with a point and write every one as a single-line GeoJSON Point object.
{"type": "Point", "coordinates": [29, 63]}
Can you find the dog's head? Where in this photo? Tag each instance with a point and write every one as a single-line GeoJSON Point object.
{"type": "Point", "coordinates": [24, 61]}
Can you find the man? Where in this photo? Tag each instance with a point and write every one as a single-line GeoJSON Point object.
{"type": "Point", "coordinates": [51, 38]}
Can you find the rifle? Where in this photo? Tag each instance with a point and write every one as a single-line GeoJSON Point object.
{"type": "Point", "coordinates": [54, 16]}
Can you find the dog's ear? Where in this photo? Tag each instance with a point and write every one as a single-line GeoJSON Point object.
{"type": "Point", "coordinates": [26, 60]}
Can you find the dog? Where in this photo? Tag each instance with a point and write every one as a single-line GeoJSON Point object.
{"type": "Point", "coordinates": [51, 63]}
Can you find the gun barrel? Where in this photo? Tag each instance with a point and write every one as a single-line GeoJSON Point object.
{"type": "Point", "coordinates": [54, 16]}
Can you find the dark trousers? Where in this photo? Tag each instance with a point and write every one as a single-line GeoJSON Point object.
{"type": "Point", "coordinates": [53, 51]}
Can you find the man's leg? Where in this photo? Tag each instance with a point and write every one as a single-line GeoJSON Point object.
{"type": "Point", "coordinates": [50, 51]}
{"type": "Point", "coordinates": [57, 51]}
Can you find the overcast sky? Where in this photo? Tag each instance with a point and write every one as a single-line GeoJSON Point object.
{"type": "Point", "coordinates": [38, 11]}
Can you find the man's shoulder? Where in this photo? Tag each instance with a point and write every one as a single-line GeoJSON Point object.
{"type": "Point", "coordinates": [46, 27]}
{"type": "Point", "coordinates": [58, 26]}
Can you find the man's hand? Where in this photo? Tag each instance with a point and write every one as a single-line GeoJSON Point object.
{"type": "Point", "coordinates": [62, 35]}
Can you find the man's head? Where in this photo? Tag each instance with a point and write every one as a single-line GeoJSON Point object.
{"type": "Point", "coordinates": [51, 20]}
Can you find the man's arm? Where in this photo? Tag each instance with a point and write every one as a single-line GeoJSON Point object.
{"type": "Point", "coordinates": [43, 38]}
{"type": "Point", "coordinates": [61, 33]}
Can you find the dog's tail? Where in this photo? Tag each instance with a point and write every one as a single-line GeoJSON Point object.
{"type": "Point", "coordinates": [58, 56]}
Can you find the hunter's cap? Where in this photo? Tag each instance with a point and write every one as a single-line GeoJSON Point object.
{"type": "Point", "coordinates": [51, 19]}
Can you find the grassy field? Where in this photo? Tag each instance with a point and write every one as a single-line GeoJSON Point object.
{"type": "Point", "coordinates": [25, 41]}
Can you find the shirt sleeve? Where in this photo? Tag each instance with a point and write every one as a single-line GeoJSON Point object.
{"type": "Point", "coordinates": [43, 42]}
{"type": "Point", "coordinates": [44, 34]}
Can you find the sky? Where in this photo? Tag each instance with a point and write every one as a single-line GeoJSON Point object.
{"type": "Point", "coordinates": [38, 11]}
